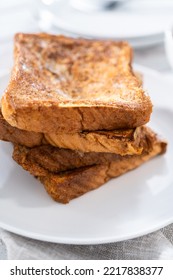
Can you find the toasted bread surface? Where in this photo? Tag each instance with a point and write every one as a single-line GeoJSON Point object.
{"type": "Point", "coordinates": [60, 84]}
{"type": "Point", "coordinates": [88, 171]}
{"type": "Point", "coordinates": [19, 136]}
{"type": "Point", "coordinates": [123, 142]}
{"type": "Point", "coordinates": [48, 158]}
{"type": "Point", "coordinates": [69, 185]}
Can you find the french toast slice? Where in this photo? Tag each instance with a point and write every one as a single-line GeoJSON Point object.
{"type": "Point", "coordinates": [66, 85]}
{"type": "Point", "coordinates": [123, 142]}
{"type": "Point", "coordinates": [66, 186]}
{"type": "Point", "coordinates": [53, 159]}
{"type": "Point", "coordinates": [88, 173]}
{"type": "Point", "coordinates": [19, 136]}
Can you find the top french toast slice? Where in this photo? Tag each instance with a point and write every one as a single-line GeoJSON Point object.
{"type": "Point", "coordinates": [61, 84]}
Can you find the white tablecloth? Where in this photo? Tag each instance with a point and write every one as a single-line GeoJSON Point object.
{"type": "Point", "coordinates": [154, 246]}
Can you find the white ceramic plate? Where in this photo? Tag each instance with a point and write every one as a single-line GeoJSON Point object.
{"type": "Point", "coordinates": [140, 22]}
{"type": "Point", "coordinates": [130, 206]}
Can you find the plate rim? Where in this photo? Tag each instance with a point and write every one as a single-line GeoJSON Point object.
{"type": "Point", "coordinates": [84, 241]}
{"type": "Point", "coordinates": [63, 25]}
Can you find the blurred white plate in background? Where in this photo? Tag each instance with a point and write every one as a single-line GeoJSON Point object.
{"type": "Point", "coordinates": [139, 22]}
{"type": "Point", "coordinates": [16, 16]}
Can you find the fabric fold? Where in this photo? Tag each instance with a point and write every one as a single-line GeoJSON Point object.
{"type": "Point", "coordinates": [154, 246]}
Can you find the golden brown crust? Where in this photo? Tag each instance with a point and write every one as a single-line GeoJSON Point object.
{"type": "Point", "coordinates": [66, 186]}
{"type": "Point", "coordinates": [123, 142]}
{"type": "Point", "coordinates": [88, 171]}
{"type": "Point", "coordinates": [18, 136]}
{"type": "Point", "coordinates": [48, 158]}
{"type": "Point", "coordinates": [60, 84]}
{"type": "Point", "coordinates": [69, 185]}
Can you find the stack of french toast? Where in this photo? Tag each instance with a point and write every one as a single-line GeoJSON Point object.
{"type": "Point", "coordinates": [76, 113]}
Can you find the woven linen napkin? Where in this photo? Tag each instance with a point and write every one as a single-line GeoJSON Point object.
{"type": "Point", "coordinates": [154, 246]}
